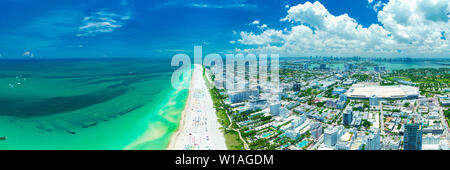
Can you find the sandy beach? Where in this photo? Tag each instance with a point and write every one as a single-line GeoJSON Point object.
{"type": "Point", "coordinates": [199, 128]}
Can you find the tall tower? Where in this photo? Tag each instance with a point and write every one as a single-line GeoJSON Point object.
{"type": "Point", "coordinates": [412, 137]}
{"type": "Point", "coordinates": [316, 130]}
{"type": "Point", "coordinates": [373, 142]}
{"type": "Point", "coordinates": [347, 117]}
{"type": "Point", "coordinates": [330, 138]}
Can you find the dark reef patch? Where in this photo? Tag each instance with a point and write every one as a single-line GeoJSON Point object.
{"type": "Point", "coordinates": [45, 107]}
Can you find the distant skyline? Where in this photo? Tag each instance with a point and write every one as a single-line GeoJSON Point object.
{"type": "Point", "coordinates": [161, 29]}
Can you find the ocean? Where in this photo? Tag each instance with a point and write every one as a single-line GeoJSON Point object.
{"type": "Point", "coordinates": [88, 104]}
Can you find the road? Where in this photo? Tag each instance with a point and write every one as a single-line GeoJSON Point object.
{"type": "Point", "coordinates": [381, 119]}
{"type": "Point", "coordinates": [317, 143]}
{"type": "Point", "coordinates": [444, 121]}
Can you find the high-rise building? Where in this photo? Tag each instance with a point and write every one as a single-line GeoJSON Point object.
{"type": "Point", "coordinates": [373, 100]}
{"type": "Point", "coordinates": [297, 87]}
{"type": "Point", "coordinates": [347, 117]}
{"type": "Point", "coordinates": [284, 112]}
{"type": "Point", "coordinates": [275, 109]}
{"type": "Point", "coordinates": [316, 130]}
{"type": "Point", "coordinates": [348, 67]}
{"type": "Point", "coordinates": [412, 136]}
{"type": "Point", "coordinates": [343, 98]}
{"type": "Point", "coordinates": [373, 142]}
{"type": "Point", "coordinates": [299, 121]}
{"type": "Point", "coordinates": [376, 68]}
{"type": "Point", "coordinates": [242, 95]}
{"type": "Point", "coordinates": [331, 103]}
{"type": "Point", "coordinates": [330, 136]}
{"type": "Point", "coordinates": [338, 91]}
{"type": "Point", "coordinates": [340, 105]}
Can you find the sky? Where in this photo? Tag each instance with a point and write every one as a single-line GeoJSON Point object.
{"type": "Point", "coordinates": [159, 29]}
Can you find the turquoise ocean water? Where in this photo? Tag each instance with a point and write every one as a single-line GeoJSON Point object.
{"type": "Point", "coordinates": [88, 104]}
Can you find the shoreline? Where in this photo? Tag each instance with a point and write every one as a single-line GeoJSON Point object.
{"type": "Point", "coordinates": [175, 136]}
{"type": "Point", "coordinates": [202, 131]}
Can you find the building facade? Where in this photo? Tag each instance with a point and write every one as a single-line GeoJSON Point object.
{"type": "Point", "coordinates": [330, 136]}
{"type": "Point", "coordinates": [412, 137]}
{"type": "Point", "coordinates": [316, 130]}
{"type": "Point", "coordinates": [347, 118]}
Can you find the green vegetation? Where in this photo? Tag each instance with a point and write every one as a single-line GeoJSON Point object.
{"type": "Point", "coordinates": [308, 134]}
{"type": "Point", "coordinates": [320, 104]}
{"type": "Point", "coordinates": [358, 109]}
{"type": "Point", "coordinates": [308, 92]}
{"type": "Point", "coordinates": [406, 104]}
{"type": "Point", "coordinates": [447, 116]}
{"type": "Point", "coordinates": [366, 123]}
{"type": "Point", "coordinates": [361, 77]}
{"type": "Point", "coordinates": [431, 81]}
{"type": "Point", "coordinates": [232, 140]}
{"type": "Point", "coordinates": [329, 93]}
{"type": "Point", "coordinates": [244, 115]}
{"type": "Point", "coordinates": [259, 144]}
{"type": "Point", "coordinates": [222, 117]}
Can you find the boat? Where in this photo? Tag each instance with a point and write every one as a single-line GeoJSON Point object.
{"type": "Point", "coordinates": [3, 138]}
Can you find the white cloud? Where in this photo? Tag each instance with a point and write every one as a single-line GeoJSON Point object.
{"type": "Point", "coordinates": [255, 22]}
{"type": "Point", "coordinates": [312, 14]}
{"type": "Point", "coordinates": [370, 1]}
{"type": "Point", "coordinates": [262, 27]}
{"type": "Point", "coordinates": [28, 54]}
{"type": "Point", "coordinates": [419, 23]}
{"type": "Point", "coordinates": [268, 36]}
{"type": "Point", "coordinates": [258, 24]}
{"type": "Point", "coordinates": [219, 6]}
{"type": "Point", "coordinates": [232, 42]}
{"type": "Point", "coordinates": [408, 27]}
{"type": "Point", "coordinates": [235, 4]}
{"type": "Point", "coordinates": [376, 6]}
{"type": "Point", "coordinates": [101, 22]}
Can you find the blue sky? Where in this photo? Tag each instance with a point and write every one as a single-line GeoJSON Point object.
{"type": "Point", "coordinates": [143, 28]}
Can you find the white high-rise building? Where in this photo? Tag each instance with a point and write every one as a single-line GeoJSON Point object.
{"type": "Point", "coordinates": [242, 95]}
{"type": "Point", "coordinates": [373, 100]}
{"type": "Point", "coordinates": [373, 142]}
{"type": "Point", "coordinates": [316, 130]}
{"type": "Point", "coordinates": [299, 121]}
{"type": "Point", "coordinates": [284, 113]}
{"type": "Point", "coordinates": [275, 109]}
{"type": "Point", "coordinates": [330, 136]}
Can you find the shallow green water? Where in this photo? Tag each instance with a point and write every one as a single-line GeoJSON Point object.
{"type": "Point", "coordinates": [88, 104]}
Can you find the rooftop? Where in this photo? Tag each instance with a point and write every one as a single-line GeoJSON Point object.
{"type": "Point", "coordinates": [367, 91]}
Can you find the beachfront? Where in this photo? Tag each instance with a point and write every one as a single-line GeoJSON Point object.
{"type": "Point", "coordinates": [199, 128]}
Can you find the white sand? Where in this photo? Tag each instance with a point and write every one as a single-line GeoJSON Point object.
{"type": "Point", "coordinates": [199, 128]}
